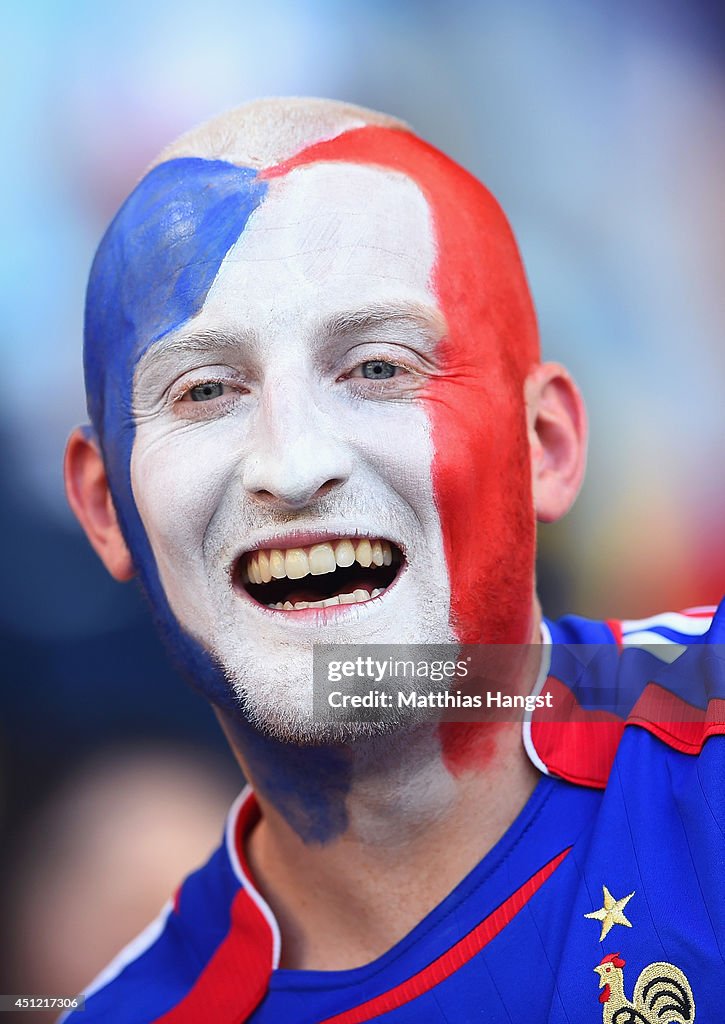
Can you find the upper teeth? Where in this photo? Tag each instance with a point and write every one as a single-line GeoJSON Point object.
{"type": "Point", "coordinates": [295, 563]}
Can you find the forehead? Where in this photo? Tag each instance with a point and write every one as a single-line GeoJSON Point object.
{"type": "Point", "coordinates": [186, 221]}
{"type": "Point", "coordinates": [326, 238]}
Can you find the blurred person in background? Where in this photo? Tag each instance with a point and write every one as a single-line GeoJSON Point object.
{"type": "Point", "coordinates": [319, 413]}
{"type": "Point", "coordinates": [100, 857]}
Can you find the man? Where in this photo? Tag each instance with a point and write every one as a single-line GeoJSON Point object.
{"type": "Point", "coordinates": [319, 415]}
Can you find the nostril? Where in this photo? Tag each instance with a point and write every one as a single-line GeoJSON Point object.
{"type": "Point", "coordinates": [296, 497]}
{"type": "Point", "coordinates": [325, 488]}
{"type": "Point", "coordinates": [295, 474]}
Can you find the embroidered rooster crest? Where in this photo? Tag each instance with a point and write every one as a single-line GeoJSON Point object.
{"type": "Point", "coordinates": [662, 994]}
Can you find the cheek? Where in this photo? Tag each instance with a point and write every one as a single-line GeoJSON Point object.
{"type": "Point", "coordinates": [178, 481]}
{"type": "Point", "coordinates": [397, 442]}
{"type": "Point", "coordinates": [392, 488]}
{"type": "Point", "coordinates": [482, 484]}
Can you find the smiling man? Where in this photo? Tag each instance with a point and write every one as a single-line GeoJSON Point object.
{"type": "Point", "coordinates": [319, 415]}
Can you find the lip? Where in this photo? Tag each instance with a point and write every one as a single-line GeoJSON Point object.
{"type": "Point", "coordinates": [306, 538]}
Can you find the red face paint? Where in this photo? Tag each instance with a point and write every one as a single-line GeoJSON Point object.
{"type": "Point", "coordinates": [481, 468]}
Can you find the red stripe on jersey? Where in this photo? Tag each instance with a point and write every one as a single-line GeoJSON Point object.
{"type": "Point", "coordinates": [454, 958]}
{"type": "Point", "coordinates": [580, 745]}
{"type": "Point", "coordinates": [676, 723]}
{"type": "Point", "coordinates": [235, 980]}
{"type": "Point", "coordinates": [616, 628]}
{"type": "Point", "coordinates": [575, 744]}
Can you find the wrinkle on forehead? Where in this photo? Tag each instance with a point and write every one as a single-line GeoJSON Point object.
{"type": "Point", "coordinates": [328, 238]}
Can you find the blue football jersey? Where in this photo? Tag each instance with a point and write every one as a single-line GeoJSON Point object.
{"type": "Point", "coordinates": [604, 900]}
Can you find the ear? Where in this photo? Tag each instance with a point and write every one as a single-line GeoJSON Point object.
{"type": "Point", "coordinates": [557, 427]}
{"type": "Point", "coordinates": [89, 496]}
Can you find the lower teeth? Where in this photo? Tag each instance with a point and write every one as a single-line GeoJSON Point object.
{"type": "Point", "coordinates": [357, 597]}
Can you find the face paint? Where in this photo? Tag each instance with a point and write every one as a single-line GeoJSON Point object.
{"type": "Point", "coordinates": [151, 273]}
{"type": "Point", "coordinates": [331, 273]}
{"type": "Point", "coordinates": [308, 786]}
{"type": "Point", "coordinates": [441, 501]}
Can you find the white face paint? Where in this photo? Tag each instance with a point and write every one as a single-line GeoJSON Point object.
{"type": "Point", "coordinates": [296, 446]}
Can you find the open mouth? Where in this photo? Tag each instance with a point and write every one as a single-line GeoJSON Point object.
{"type": "Point", "coordinates": [345, 570]}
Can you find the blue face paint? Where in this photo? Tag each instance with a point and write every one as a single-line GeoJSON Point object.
{"type": "Point", "coordinates": [151, 274]}
{"type": "Point", "coordinates": [307, 785]}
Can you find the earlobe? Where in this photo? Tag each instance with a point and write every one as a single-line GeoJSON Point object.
{"type": "Point", "coordinates": [557, 427]}
{"type": "Point", "coordinates": [90, 498]}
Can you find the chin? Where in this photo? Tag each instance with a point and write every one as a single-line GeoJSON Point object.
{"type": "Point", "coordinates": [272, 677]}
{"type": "Point", "coordinates": [308, 733]}
{"type": "Point", "coordinates": [281, 706]}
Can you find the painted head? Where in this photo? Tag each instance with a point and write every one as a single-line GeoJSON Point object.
{"type": "Point", "coordinates": [318, 410]}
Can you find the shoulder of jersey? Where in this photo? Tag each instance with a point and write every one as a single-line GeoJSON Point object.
{"type": "Point", "coordinates": [664, 674]}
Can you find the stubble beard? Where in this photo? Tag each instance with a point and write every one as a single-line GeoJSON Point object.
{"type": "Point", "coordinates": [273, 681]}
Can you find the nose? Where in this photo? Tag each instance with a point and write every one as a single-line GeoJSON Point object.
{"type": "Point", "coordinates": [295, 456]}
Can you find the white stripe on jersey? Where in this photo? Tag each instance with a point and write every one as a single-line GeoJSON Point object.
{"type": "Point", "coordinates": [262, 905]}
{"type": "Point", "coordinates": [660, 646]}
{"type": "Point", "coordinates": [538, 687]}
{"type": "Point", "coordinates": [687, 625]}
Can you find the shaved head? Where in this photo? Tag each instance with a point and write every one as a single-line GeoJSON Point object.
{"type": "Point", "coordinates": [266, 132]}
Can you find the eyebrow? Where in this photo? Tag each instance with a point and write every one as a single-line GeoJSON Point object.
{"type": "Point", "coordinates": [201, 342]}
{"type": "Point", "coordinates": [162, 359]}
{"type": "Point", "coordinates": [426, 320]}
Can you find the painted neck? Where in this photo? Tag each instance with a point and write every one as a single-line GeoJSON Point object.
{"type": "Point", "coordinates": [389, 788]}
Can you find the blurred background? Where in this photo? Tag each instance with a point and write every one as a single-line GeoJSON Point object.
{"type": "Point", "coordinates": [599, 127]}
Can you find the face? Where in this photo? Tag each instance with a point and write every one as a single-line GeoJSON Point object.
{"type": "Point", "coordinates": [283, 449]}
{"type": "Point", "coordinates": [330, 445]}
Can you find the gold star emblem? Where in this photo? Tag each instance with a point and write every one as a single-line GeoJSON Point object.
{"type": "Point", "coordinates": [611, 913]}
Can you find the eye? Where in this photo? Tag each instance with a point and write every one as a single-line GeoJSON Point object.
{"type": "Point", "coordinates": [378, 369]}
{"type": "Point", "coordinates": [205, 392]}
{"type": "Point", "coordinates": [209, 393]}
{"type": "Point", "coordinates": [381, 378]}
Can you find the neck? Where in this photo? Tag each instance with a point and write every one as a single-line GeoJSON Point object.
{"type": "Point", "coordinates": [354, 848]}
